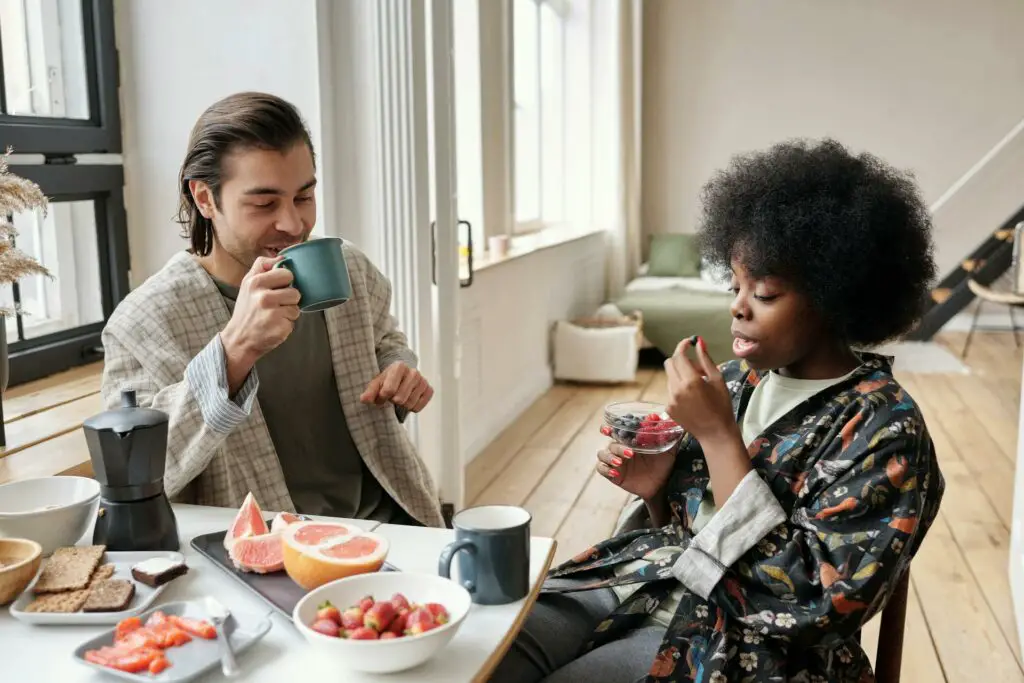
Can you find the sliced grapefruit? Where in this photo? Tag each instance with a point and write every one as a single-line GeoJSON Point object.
{"type": "Point", "coordinates": [283, 519]}
{"type": "Point", "coordinates": [316, 553]}
{"type": "Point", "coordinates": [248, 522]}
{"type": "Point", "coordinates": [261, 554]}
{"type": "Point", "coordinates": [315, 533]}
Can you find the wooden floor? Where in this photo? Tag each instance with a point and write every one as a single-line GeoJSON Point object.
{"type": "Point", "coordinates": [960, 622]}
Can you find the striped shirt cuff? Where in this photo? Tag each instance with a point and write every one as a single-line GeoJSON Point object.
{"type": "Point", "coordinates": [207, 376]}
{"type": "Point", "coordinates": [749, 515]}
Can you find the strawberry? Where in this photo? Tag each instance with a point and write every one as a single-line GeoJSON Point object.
{"type": "Point", "coordinates": [380, 616]}
{"type": "Point", "coordinates": [363, 633]}
{"type": "Point", "coordinates": [400, 602]}
{"type": "Point", "coordinates": [439, 611]}
{"type": "Point", "coordinates": [366, 603]}
{"type": "Point", "coordinates": [328, 627]}
{"type": "Point", "coordinates": [653, 417]}
{"type": "Point", "coordinates": [328, 611]}
{"type": "Point", "coordinates": [352, 618]}
{"type": "Point", "coordinates": [397, 625]}
{"type": "Point", "coordinates": [420, 620]}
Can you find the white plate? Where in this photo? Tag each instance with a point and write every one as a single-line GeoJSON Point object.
{"type": "Point", "coordinates": [123, 562]}
{"type": "Point", "coordinates": [194, 658]}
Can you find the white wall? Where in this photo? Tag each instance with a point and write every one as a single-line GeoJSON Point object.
{"type": "Point", "coordinates": [233, 45]}
{"type": "Point", "coordinates": [318, 59]}
{"type": "Point", "coordinates": [507, 316]}
{"type": "Point", "coordinates": [930, 85]}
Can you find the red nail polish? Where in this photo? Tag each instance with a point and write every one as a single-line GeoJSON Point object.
{"type": "Point", "coordinates": [606, 430]}
{"type": "Point", "coordinates": [700, 342]}
{"type": "Point", "coordinates": [617, 462]}
{"type": "Point", "coordinates": [627, 452]}
{"type": "Point", "coordinates": [613, 473]}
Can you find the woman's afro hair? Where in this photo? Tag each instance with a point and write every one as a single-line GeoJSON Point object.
{"type": "Point", "coordinates": [849, 231]}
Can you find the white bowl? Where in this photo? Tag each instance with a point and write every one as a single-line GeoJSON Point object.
{"type": "Point", "coordinates": [384, 656]}
{"type": "Point", "coordinates": [52, 511]}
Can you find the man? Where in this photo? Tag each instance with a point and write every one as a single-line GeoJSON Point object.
{"type": "Point", "coordinates": [303, 410]}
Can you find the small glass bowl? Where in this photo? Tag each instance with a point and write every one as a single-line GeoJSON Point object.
{"type": "Point", "coordinates": [642, 426]}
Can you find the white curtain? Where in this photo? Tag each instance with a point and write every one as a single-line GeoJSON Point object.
{"type": "Point", "coordinates": [618, 82]}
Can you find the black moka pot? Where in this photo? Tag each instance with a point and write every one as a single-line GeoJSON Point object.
{"type": "Point", "coordinates": [128, 449]}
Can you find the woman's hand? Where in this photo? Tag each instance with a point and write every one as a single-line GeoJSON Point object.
{"type": "Point", "coordinates": [698, 398]}
{"type": "Point", "coordinates": [700, 402]}
{"type": "Point", "coordinates": [641, 474]}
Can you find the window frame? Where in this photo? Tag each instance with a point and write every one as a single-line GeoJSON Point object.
{"type": "Point", "coordinates": [562, 9]}
{"type": "Point", "coordinates": [62, 178]}
{"type": "Point", "coordinates": [101, 132]}
{"type": "Point", "coordinates": [47, 354]}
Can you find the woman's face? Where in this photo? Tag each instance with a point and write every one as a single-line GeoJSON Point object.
{"type": "Point", "coordinates": [774, 325]}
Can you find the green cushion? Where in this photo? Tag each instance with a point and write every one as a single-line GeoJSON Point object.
{"type": "Point", "coordinates": [674, 255]}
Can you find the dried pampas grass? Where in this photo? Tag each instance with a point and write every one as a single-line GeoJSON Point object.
{"type": "Point", "coordinates": [16, 195]}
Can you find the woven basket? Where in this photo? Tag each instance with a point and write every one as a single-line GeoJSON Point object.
{"type": "Point", "coordinates": [20, 560]}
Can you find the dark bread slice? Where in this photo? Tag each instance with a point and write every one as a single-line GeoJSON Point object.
{"type": "Point", "coordinates": [110, 595]}
{"type": "Point", "coordinates": [167, 571]}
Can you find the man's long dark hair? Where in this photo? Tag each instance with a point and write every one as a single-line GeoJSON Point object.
{"type": "Point", "coordinates": [247, 120]}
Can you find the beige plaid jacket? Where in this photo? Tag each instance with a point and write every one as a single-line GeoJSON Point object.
{"type": "Point", "coordinates": [163, 342]}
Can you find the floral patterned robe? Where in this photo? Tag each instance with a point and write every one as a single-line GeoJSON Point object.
{"type": "Point", "coordinates": [855, 471]}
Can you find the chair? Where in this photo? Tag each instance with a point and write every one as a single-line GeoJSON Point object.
{"type": "Point", "coordinates": [889, 656]}
{"type": "Point", "coordinates": [1008, 298]}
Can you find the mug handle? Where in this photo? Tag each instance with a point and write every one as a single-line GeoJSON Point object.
{"type": "Point", "coordinates": [283, 263]}
{"type": "Point", "coordinates": [444, 562]}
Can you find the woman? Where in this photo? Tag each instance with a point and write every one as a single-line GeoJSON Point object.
{"type": "Point", "coordinates": [806, 480]}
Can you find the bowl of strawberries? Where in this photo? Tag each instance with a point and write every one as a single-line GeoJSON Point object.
{"type": "Point", "coordinates": [642, 426]}
{"type": "Point", "coordinates": [382, 622]}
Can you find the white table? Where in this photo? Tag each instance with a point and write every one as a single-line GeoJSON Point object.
{"type": "Point", "coordinates": [43, 653]}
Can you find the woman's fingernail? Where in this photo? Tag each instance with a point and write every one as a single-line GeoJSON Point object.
{"type": "Point", "coordinates": [606, 430]}
{"type": "Point", "coordinates": [617, 462]}
{"type": "Point", "coordinates": [613, 473]}
{"type": "Point", "coordinates": [700, 343]}
{"type": "Point", "coordinates": [627, 452]}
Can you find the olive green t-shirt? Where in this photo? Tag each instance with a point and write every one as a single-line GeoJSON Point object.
{"type": "Point", "coordinates": [298, 395]}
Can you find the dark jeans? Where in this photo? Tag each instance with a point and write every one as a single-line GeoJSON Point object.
{"type": "Point", "coordinates": [557, 628]}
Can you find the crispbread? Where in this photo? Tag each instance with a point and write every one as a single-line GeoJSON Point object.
{"type": "Point", "coordinates": [102, 573]}
{"type": "Point", "coordinates": [66, 602]}
{"type": "Point", "coordinates": [111, 595]}
{"type": "Point", "coordinates": [69, 569]}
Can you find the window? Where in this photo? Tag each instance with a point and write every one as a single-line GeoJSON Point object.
{"type": "Point", "coordinates": [58, 99]}
{"type": "Point", "coordinates": [539, 118]}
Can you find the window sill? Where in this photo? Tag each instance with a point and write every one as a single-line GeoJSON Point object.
{"type": "Point", "coordinates": [530, 243]}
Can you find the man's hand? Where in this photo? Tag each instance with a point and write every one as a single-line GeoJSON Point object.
{"type": "Point", "coordinates": [264, 316]}
{"type": "Point", "coordinates": [400, 385]}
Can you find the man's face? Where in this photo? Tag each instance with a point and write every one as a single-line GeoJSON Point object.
{"type": "Point", "coordinates": [266, 203]}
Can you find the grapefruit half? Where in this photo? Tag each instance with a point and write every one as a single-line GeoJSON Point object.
{"type": "Point", "coordinates": [283, 519]}
{"type": "Point", "coordinates": [260, 554]}
{"type": "Point", "coordinates": [248, 522]}
{"type": "Point", "coordinates": [316, 553]}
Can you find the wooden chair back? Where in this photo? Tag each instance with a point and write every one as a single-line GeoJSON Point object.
{"type": "Point", "coordinates": [889, 656]}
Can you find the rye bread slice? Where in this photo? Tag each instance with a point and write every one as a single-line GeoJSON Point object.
{"type": "Point", "coordinates": [69, 569]}
{"type": "Point", "coordinates": [110, 595]}
{"type": "Point", "coordinates": [158, 571]}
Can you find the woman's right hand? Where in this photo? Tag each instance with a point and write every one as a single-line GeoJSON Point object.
{"type": "Point", "coordinates": [640, 474]}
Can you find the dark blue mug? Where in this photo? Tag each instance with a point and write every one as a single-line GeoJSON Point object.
{"type": "Point", "coordinates": [321, 274]}
{"type": "Point", "coordinates": [493, 545]}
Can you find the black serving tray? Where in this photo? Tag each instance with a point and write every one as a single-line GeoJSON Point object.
{"type": "Point", "coordinates": [276, 589]}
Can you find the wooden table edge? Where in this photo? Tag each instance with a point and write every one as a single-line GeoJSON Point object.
{"type": "Point", "coordinates": [505, 645]}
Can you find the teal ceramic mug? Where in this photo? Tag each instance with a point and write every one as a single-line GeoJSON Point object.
{"type": "Point", "coordinates": [321, 274]}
